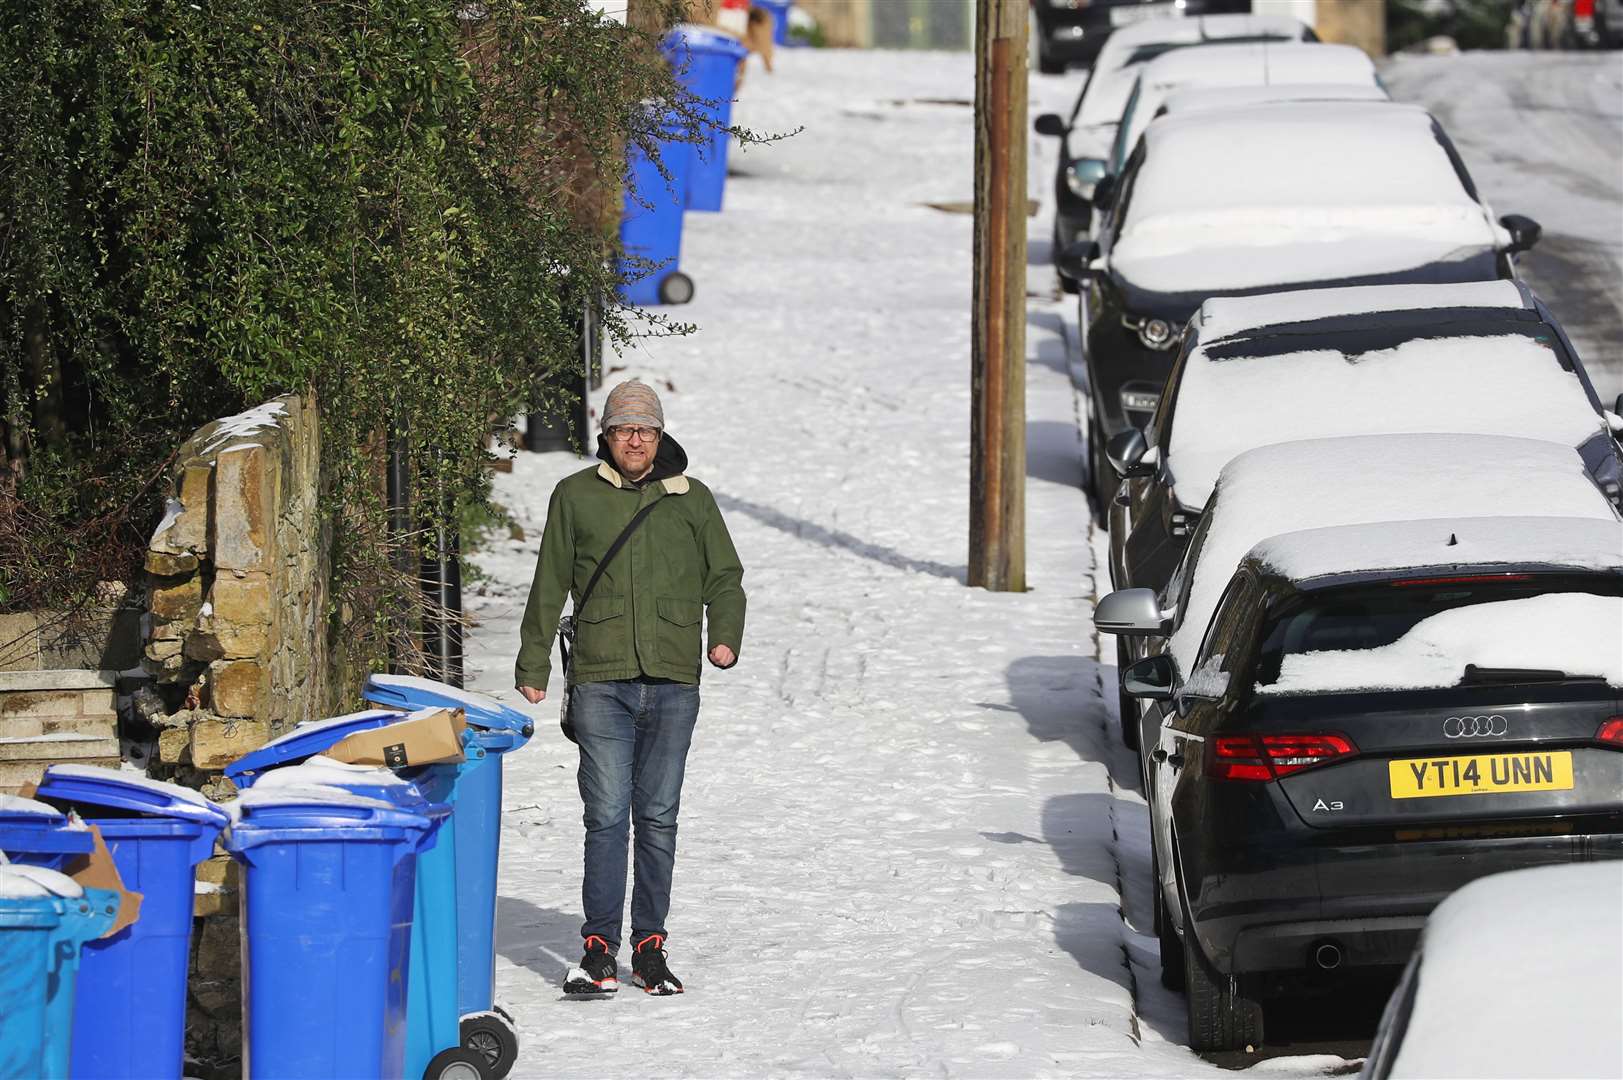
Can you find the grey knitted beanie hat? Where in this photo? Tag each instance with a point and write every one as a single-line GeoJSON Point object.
{"type": "Point", "coordinates": [633, 404]}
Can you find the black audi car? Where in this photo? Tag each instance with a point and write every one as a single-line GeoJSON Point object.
{"type": "Point", "coordinates": [1265, 199]}
{"type": "Point", "coordinates": [1360, 735]}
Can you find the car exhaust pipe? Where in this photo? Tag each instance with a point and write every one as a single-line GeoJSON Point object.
{"type": "Point", "coordinates": [1327, 955]}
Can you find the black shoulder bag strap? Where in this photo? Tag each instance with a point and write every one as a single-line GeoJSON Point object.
{"type": "Point", "coordinates": [566, 640]}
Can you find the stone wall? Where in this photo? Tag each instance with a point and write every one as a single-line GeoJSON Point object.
{"type": "Point", "coordinates": [236, 610]}
{"type": "Point", "coordinates": [236, 644]}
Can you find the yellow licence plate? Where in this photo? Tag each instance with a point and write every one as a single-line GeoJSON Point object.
{"type": "Point", "coordinates": [1480, 774]}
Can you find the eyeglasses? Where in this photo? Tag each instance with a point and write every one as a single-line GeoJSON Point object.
{"type": "Point", "coordinates": [623, 434]}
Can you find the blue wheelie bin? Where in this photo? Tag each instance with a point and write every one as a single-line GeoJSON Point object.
{"type": "Point", "coordinates": [779, 10]}
{"type": "Point", "coordinates": [328, 886]}
{"type": "Point", "coordinates": [131, 1006]}
{"type": "Point", "coordinates": [35, 833]}
{"type": "Point", "coordinates": [497, 731]}
{"type": "Point", "coordinates": [45, 918]}
{"type": "Point", "coordinates": [654, 231]}
{"type": "Point", "coordinates": [433, 1039]}
{"type": "Point", "coordinates": [706, 62]}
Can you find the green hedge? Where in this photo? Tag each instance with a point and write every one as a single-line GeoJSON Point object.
{"type": "Point", "coordinates": [207, 204]}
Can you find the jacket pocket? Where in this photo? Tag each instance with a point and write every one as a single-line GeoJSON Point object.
{"type": "Point", "coordinates": [679, 630]}
{"type": "Point", "coordinates": [600, 631]}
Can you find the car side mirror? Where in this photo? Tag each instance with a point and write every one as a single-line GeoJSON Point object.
{"type": "Point", "coordinates": [1082, 176]}
{"type": "Point", "coordinates": [1076, 260]}
{"type": "Point", "coordinates": [1154, 677]}
{"type": "Point", "coordinates": [1132, 613]}
{"type": "Point", "coordinates": [1126, 450]}
{"type": "Point", "coordinates": [1104, 192]}
{"type": "Point", "coordinates": [1049, 124]}
{"type": "Point", "coordinates": [1524, 232]}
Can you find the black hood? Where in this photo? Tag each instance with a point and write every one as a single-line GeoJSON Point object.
{"type": "Point", "coordinates": [669, 460]}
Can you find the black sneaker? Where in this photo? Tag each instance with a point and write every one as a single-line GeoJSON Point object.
{"type": "Point", "coordinates": [597, 973]}
{"type": "Point", "coordinates": [648, 968]}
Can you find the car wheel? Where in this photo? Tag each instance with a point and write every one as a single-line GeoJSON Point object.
{"type": "Point", "coordinates": [1127, 705]}
{"type": "Point", "coordinates": [1066, 284]}
{"type": "Point", "coordinates": [1221, 1016]}
{"type": "Point", "coordinates": [1047, 66]}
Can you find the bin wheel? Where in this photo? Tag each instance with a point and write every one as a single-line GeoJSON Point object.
{"type": "Point", "coordinates": [493, 1039]}
{"type": "Point", "coordinates": [457, 1063]}
{"type": "Point", "coordinates": [675, 288]}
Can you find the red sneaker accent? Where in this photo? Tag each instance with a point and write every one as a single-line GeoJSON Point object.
{"type": "Point", "coordinates": [657, 939]}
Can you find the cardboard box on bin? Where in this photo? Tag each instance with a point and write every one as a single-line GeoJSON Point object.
{"type": "Point", "coordinates": [422, 738]}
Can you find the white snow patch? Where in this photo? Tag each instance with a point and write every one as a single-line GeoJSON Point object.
{"type": "Point", "coordinates": [1578, 633]}
{"type": "Point", "coordinates": [1519, 977]}
{"type": "Point", "coordinates": [1225, 316]}
{"type": "Point", "coordinates": [18, 882]}
{"type": "Point", "coordinates": [319, 770]}
{"type": "Point", "coordinates": [1498, 385]}
{"type": "Point", "coordinates": [1363, 479]}
{"type": "Point", "coordinates": [300, 795]}
{"type": "Point", "coordinates": [255, 419]}
{"type": "Point", "coordinates": [16, 804]}
{"type": "Point", "coordinates": [1336, 191]}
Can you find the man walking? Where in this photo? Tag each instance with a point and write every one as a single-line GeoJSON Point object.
{"type": "Point", "coordinates": [635, 666]}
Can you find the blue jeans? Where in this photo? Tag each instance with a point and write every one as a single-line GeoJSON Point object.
{"type": "Point", "coordinates": [634, 739]}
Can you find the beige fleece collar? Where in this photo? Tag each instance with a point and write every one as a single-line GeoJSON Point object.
{"type": "Point", "coordinates": [674, 485]}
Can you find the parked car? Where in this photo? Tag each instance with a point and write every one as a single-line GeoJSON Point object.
{"type": "Point", "coordinates": [1086, 134]}
{"type": "Point", "coordinates": [1073, 33]}
{"type": "Point", "coordinates": [1262, 63]}
{"type": "Point", "coordinates": [1267, 199]}
{"type": "Point", "coordinates": [1482, 357]}
{"type": "Point", "coordinates": [1515, 976]}
{"type": "Point", "coordinates": [1350, 718]}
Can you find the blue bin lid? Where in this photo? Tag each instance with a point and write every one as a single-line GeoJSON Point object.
{"type": "Point", "coordinates": [115, 789]}
{"type": "Point", "coordinates": [35, 828]}
{"type": "Point", "coordinates": [317, 812]}
{"type": "Point", "coordinates": [372, 781]}
{"type": "Point", "coordinates": [410, 693]}
{"type": "Point", "coordinates": [703, 39]}
{"type": "Point", "coordinates": [306, 741]}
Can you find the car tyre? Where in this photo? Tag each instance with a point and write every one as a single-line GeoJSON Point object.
{"type": "Point", "coordinates": [1047, 66]}
{"type": "Point", "coordinates": [1126, 704]}
{"type": "Point", "coordinates": [1221, 1016]}
{"type": "Point", "coordinates": [1102, 476]}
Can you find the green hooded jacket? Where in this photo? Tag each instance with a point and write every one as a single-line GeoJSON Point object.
{"type": "Point", "coordinates": [643, 616]}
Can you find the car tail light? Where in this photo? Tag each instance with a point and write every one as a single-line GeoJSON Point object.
{"type": "Point", "coordinates": [1611, 733]}
{"type": "Point", "coordinates": [1468, 579]}
{"type": "Point", "coordinates": [1265, 757]}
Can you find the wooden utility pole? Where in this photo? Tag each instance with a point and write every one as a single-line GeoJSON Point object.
{"type": "Point", "coordinates": [997, 425]}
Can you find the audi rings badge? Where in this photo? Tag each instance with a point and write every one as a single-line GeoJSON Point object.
{"type": "Point", "coordinates": [1475, 727]}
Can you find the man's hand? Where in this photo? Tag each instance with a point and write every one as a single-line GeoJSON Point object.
{"type": "Point", "coordinates": [532, 695]}
{"type": "Point", "coordinates": [722, 656]}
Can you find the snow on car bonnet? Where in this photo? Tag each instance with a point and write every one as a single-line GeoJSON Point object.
{"type": "Point", "coordinates": [1519, 977]}
{"type": "Point", "coordinates": [1363, 479]}
{"type": "Point", "coordinates": [1267, 196]}
{"type": "Point", "coordinates": [1502, 384]}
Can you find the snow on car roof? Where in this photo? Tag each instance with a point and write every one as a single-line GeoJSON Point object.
{"type": "Point", "coordinates": [1519, 977]}
{"type": "Point", "coordinates": [1580, 543]}
{"type": "Point", "coordinates": [1503, 384]}
{"type": "Point", "coordinates": [1267, 196]}
{"type": "Point", "coordinates": [1190, 98]}
{"type": "Point", "coordinates": [1256, 63]}
{"type": "Point", "coordinates": [1362, 479]}
{"type": "Point", "coordinates": [1224, 316]}
{"type": "Point", "coordinates": [1116, 67]}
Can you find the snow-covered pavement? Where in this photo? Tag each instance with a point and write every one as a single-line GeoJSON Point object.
{"type": "Point", "coordinates": [906, 812]}
{"type": "Point", "coordinates": [1542, 134]}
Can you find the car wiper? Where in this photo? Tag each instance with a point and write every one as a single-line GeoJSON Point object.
{"type": "Point", "coordinates": [1475, 675]}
